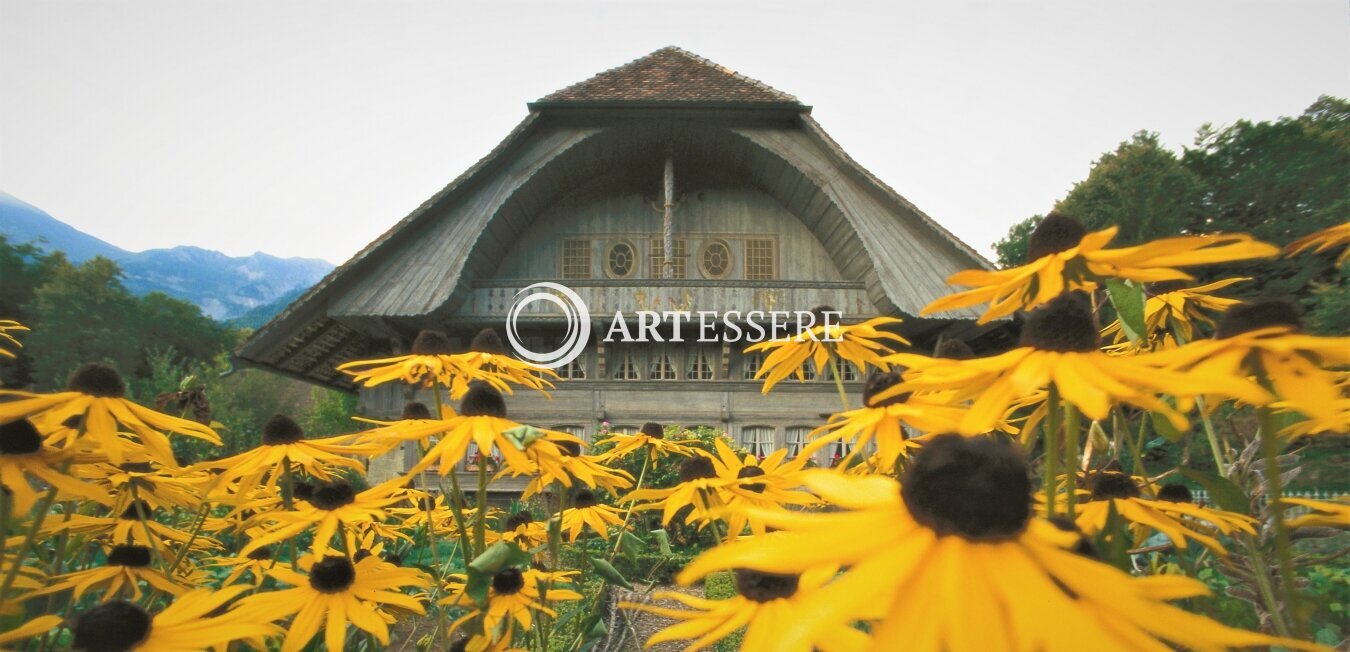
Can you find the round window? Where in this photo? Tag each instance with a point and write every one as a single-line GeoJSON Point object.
{"type": "Point", "coordinates": [716, 259]}
{"type": "Point", "coordinates": [621, 261]}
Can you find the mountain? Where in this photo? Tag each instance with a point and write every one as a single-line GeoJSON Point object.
{"type": "Point", "coordinates": [224, 287]}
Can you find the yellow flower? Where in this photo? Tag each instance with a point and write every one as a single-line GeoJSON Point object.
{"type": "Point", "coordinates": [127, 567]}
{"type": "Point", "coordinates": [1324, 240]}
{"type": "Point", "coordinates": [1173, 513]}
{"type": "Point", "coordinates": [1062, 255]}
{"type": "Point", "coordinates": [1172, 311]}
{"type": "Point", "coordinates": [1059, 349]}
{"type": "Point", "coordinates": [23, 458]}
{"type": "Point", "coordinates": [651, 438]}
{"type": "Point", "coordinates": [187, 623]}
{"type": "Point", "coordinates": [127, 527]}
{"type": "Point", "coordinates": [883, 420]}
{"type": "Point", "coordinates": [6, 327]}
{"type": "Point", "coordinates": [558, 459]}
{"type": "Point", "coordinates": [1262, 339]}
{"type": "Point", "coordinates": [765, 603]}
{"type": "Point", "coordinates": [1323, 514]}
{"type": "Point", "coordinates": [858, 343]}
{"type": "Point", "coordinates": [332, 504]}
{"type": "Point", "coordinates": [335, 592]}
{"type": "Point", "coordinates": [956, 562]}
{"type": "Point", "coordinates": [34, 627]}
{"type": "Point", "coordinates": [95, 396]}
{"type": "Point", "coordinates": [284, 446]}
{"type": "Point", "coordinates": [587, 511]}
{"type": "Point", "coordinates": [698, 489]}
{"type": "Point", "coordinates": [753, 483]}
{"type": "Point", "coordinates": [432, 363]}
{"type": "Point", "coordinates": [514, 596]}
{"type": "Point", "coordinates": [481, 420]}
{"type": "Point", "coordinates": [161, 487]}
{"type": "Point", "coordinates": [521, 529]}
{"type": "Point", "coordinates": [254, 563]}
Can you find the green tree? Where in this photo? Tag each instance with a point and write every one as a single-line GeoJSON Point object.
{"type": "Point", "coordinates": [81, 314]}
{"type": "Point", "coordinates": [1012, 249]}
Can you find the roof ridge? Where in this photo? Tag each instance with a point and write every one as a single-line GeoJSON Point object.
{"type": "Point", "coordinates": [656, 78]}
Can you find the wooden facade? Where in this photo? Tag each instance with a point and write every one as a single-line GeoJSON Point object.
{"type": "Point", "coordinates": [769, 214]}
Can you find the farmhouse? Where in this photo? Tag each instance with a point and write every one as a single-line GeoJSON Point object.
{"type": "Point", "coordinates": [670, 183]}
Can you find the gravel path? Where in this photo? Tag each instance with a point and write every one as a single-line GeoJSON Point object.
{"type": "Point", "coordinates": [641, 623]}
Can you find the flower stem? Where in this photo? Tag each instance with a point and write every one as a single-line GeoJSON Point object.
{"type": "Point", "coordinates": [480, 518]}
{"type": "Point", "coordinates": [1260, 570]}
{"type": "Point", "coordinates": [838, 382]}
{"type": "Point", "coordinates": [196, 530]}
{"type": "Point", "coordinates": [1071, 433]}
{"type": "Point", "coordinates": [42, 509]}
{"type": "Point", "coordinates": [1270, 453]}
{"type": "Point", "coordinates": [642, 475]}
{"type": "Point", "coordinates": [288, 501]}
{"type": "Point", "coordinates": [1052, 450]}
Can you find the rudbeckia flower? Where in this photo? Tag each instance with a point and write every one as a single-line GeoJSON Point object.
{"type": "Point", "coordinates": [951, 559]}
{"type": "Point", "coordinates": [481, 420]}
{"type": "Point", "coordinates": [332, 504]}
{"type": "Point", "coordinates": [521, 529]}
{"type": "Point", "coordinates": [194, 621]}
{"type": "Point", "coordinates": [514, 596]}
{"type": "Point", "coordinates": [8, 326]}
{"type": "Point", "coordinates": [161, 487]}
{"type": "Point", "coordinates": [96, 396]}
{"type": "Point", "coordinates": [1063, 256]}
{"type": "Point", "coordinates": [587, 511]}
{"type": "Point", "coordinates": [651, 439]}
{"type": "Point", "coordinates": [560, 460]}
{"type": "Point", "coordinates": [883, 420]}
{"type": "Point", "coordinates": [284, 446]}
{"type": "Point", "coordinates": [255, 563]}
{"type": "Point", "coordinates": [433, 362]}
{"type": "Point", "coordinates": [1324, 240]}
{"type": "Point", "coordinates": [1323, 513]}
{"type": "Point", "coordinates": [335, 592]}
{"type": "Point", "coordinates": [34, 627]}
{"type": "Point", "coordinates": [127, 527]}
{"type": "Point", "coordinates": [698, 488]}
{"type": "Point", "coordinates": [23, 458]}
{"type": "Point", "coordinates": [860, 344]}
{"type": "Point", "coordinates": [1263, 339]}
{"type": "Point", "coordinates": [1175, 309]}
{"type": "Point", "coordinates": [127, 567]}
{"type": "Point", "coordinates": [772, 482]}
{"type": "Point", "coordinates": [764, 603]}
{"type": "Point", "coordinates": [1173, 512]}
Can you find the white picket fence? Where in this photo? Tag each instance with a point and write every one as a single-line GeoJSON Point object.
{"type": "Point", "coordinates": [1202, 496]}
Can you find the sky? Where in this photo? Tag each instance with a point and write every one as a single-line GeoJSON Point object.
{"type": "Point", "coordinates": [309, 128]}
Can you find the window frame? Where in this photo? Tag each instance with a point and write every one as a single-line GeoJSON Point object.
{"type": "Point", "coordinates": [751, 273]}
{"type": "Point", "coordinates": [702, 259]}
{"type": "Point", "coordinates": [609, 250]}
{"type": "Point", "coordinates": [567, 269]}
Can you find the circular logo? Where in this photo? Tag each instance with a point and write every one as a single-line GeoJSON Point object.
{"type": "Point", "coordinates": [573, 310]}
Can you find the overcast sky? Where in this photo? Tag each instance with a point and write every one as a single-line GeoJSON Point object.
{"type": "Point", "coordinates": [308, 128]}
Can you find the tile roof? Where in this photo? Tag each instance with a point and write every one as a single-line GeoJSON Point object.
{"type": "Point", "coordinates": [669, 75]}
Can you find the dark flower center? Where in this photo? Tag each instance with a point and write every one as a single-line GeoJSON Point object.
{"type": "Point", "coordinates": [1163, 287]}
{"type": "Point", "coordinates": [697, 467]}
{"type": "Point", "coordinates": [764, 587]}
{"type": "Point", "coordinates": [97, 379]}
{"type": "Point", "coordinates": [569, 448]}
{"type": "Point", "coordinates": [482, 400]}
{"type": "Point", "coordinates": [953, 349]}
{"type": "Point", "coordinates": [427, 503]}
{"type": "Point", "coordinates": [522, 517]}
{"type": "Point", "coordinates": [1083, 546]}
{"type": "Point", "coordinates": [135, 509]}
{"type": "Point", "coordinates": [508, 581]}
{"type": "Point", "coordinates": [115, 626]}
{"type": "Point", "coordinates": [393, 558]}
{"type": "Point", "coordinates": [752, 472]}
{"type": "Point", "coordinates": [415, 410]}
{"type": "Point", "coordinates": [261, 554]}
{"type": "Point", "coordinates": [584, 498]}
{"type": "Point", "coordinates": [1176, 492]}
{"type": "Point", "coordinates": [333, 574]}
{"type": "Point", "coordinates": [137, 467]}
{"type": "Point", "coordinates": [130, 556]}
{"type": "Point", "coordinates": [360, 554]}
{"type": "Point", "coordinates": [280, 430]}
{"type": "Point", "coordinates": [879, 382]}
{"type": "Point", "coordinates": [487, 341]}
{"type": "Point", "coordinates": [1246, 317]}
{"type": "Point", "coordinates": [1057, 232]}
{"type": "Point", "coordinates": [975, 487]}
{"type": "Point", "coordinates": [19, 438]}
{"type": "Point", "coordinates": [304, 491]}
{"type": "Point", "coordinates": [332, 495]}
{"type": "Point", "coordinates": [654, 430]}
{"type": "Point", "coordinates": [818, 313]}
{"type": "Point", "coordinates": [431, 343]}
{"type": "Point", "coordinates": [1063, 324]}
{"type": "Point", "coordinates": [1109, 484]}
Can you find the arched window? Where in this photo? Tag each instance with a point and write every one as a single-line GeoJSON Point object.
{"type": "Point", "coordinates": [758, 440]}
{"type": "Point", "coordinates": [750, 365]}
{"type": "Point", "coordinates": [796, 439]}
{"type": "Point", "coordinates": [700, 365]}
{"type": "Point", "coordinates": [579, 431]}
{"type": "Point", "coordinates": [624, 366]}
{"type": "Point", "coordinates": [662, 367]}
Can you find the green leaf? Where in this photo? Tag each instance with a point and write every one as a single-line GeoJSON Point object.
{"type": "Point", "coordinates": [498, 556]}
{"type": "Point", "coordinates": [1112, 541]}
{"type": "Point", "coordinates": [609, 573]}
{"type": "Point", "coordinates": [1165, 428]}
{"type": "Point", "coordinates": [523, 436]}
{"type": "Point", "coordinates": [630, 545]}
{"type": "Point", "coordinates": [662, 541]}
{"type": "Point", "coordinates": [1128, 299]}
{"type": "Point", "coordinates": [1221, 490]}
